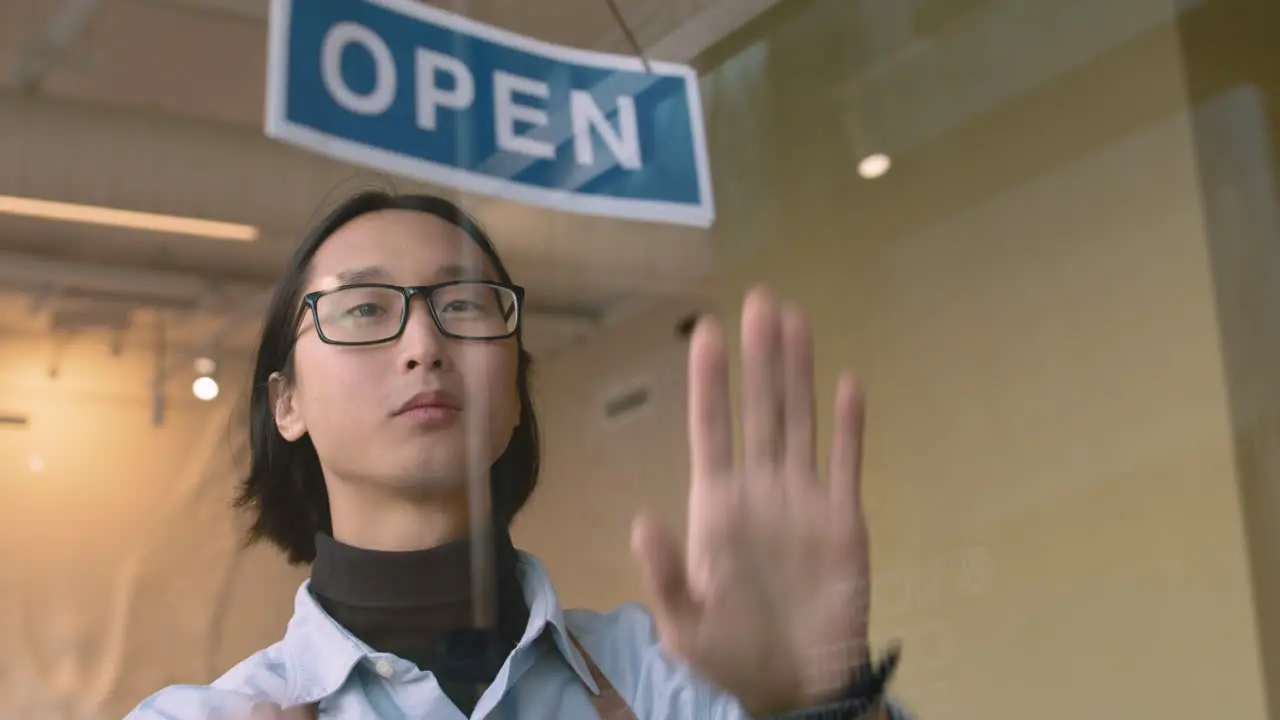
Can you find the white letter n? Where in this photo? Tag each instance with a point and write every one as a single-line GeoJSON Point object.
{"type": "Point", "coordinates": [624, 142]}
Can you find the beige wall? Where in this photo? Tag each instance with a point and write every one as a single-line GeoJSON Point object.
{"type": "Point", "coordinates": [1050, 471]}
{"type": "Point", "coordinates": [123, 569]}
{"type": "Point", "coordinates": [1046, 393]}
{"type": "Point", "coordinates": [598, 474]}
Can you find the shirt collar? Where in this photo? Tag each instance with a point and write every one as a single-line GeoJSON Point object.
{"type": "Point", "coordinates": [544, 610]}
{"type": "Point", "coordinates": [321, 653]}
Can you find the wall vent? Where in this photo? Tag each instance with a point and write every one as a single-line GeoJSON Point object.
{"type": "Point", "coordinates": [625, 401]}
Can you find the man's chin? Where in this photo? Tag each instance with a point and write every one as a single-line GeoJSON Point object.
{"type": "Point", "coordinates": [450, 477]}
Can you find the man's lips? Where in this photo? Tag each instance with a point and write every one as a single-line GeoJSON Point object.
{"type": "Point", "coordinates": [433, 402]}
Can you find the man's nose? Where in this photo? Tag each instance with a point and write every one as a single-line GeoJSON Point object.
{"type": "Point", "coordinates": [422, 343]}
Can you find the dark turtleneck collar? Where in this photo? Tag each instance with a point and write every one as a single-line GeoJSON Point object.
{"type": "Point", "coordinates": [412, 578]}
{"type": "Point", "coordinates": [417, 605]}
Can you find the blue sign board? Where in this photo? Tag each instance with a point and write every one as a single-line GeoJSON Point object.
{"type": "Point", "coordinates": [403, 87]}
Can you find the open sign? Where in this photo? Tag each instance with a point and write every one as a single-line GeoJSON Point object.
{"type": "Point", "coordinates": [406, 88]}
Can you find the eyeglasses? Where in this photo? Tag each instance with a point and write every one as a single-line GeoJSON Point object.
{"type": "Point", "coordinates": [372, 313]}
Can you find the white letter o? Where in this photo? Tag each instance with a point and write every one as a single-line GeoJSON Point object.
{"type": "Point", "coordinates": [383, 94]}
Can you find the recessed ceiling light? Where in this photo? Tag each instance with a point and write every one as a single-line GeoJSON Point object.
{"type": "Point", "coordinates": [205, 388]}
{"type": "Point", "coordinates": [874, 166]}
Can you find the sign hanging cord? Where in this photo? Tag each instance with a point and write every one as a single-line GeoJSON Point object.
{"type": "Point", "coordinates": [631, 37]}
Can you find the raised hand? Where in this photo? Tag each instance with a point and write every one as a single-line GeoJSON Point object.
{"type": "Point", "coordinates": [770, 599]}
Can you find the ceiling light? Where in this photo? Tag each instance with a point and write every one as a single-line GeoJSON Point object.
{"type": "Point", "coordinates": [35, 463]}
{"type": "Point", "coordinates": [874, 166]}
{"type": "Point", "coordinates": [205, 388]}
{"type": "Point", "coordinates": [95, 215]}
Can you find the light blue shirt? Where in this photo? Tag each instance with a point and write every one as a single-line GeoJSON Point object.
{"type": "Point", "coordinates": [544, 678]}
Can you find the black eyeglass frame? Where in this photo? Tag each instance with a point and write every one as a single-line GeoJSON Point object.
{"type": "Point", "coordinates": [310, 300]}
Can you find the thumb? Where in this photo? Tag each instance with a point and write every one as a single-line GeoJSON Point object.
{"type": "Point", "coordinates": [265, 711]}
{"type": "Point", "coordinates": [301, 712]}
{"type": "Point", "coordinates": [272, 711]}
{"type": "Point", "coordinates": [666, 580]}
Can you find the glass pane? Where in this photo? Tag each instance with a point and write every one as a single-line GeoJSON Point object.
{"type": "Point", "coordinates": [1045, 233]}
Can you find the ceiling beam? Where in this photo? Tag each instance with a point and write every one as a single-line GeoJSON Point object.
{"type": "Point", "coordinates": [36, 273]}
{"type": "Point", "coordinates": [75, 152]}
{"type": "Point", "coordinates": [1137, 83]}
{"type": "Point", "coordinates": [713, 24]}
{"type": "Point", "coordinates": [919, 91]}
{"type": "Point", "coordinates": [39, 276]}
{"type": "Point", "coordinates": [254, 11]}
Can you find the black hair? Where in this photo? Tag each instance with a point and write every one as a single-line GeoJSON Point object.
{"type": "Point", "coordinates": [285, 488]}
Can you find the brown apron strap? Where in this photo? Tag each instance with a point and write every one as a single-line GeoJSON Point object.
{"type": "Point", "coordinates": [609, 704]}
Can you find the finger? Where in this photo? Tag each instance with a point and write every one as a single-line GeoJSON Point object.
{"type": "Point", "coordinates": [272, 711]}
{"type": "Point", "coordinates": [667, 582]}
{"type": "Point", "coordinates": [301, 712]}
{"type": "Point", "coordinates": [266, 711]}
{"type": "Point", "coordinates": [710, 421]}
{"type": "Point", "coordinates": [761, 388]}
{"type": "Point", "coordinates": [798, 404]}
{"type": "Point", "coordinates": [846, 445]}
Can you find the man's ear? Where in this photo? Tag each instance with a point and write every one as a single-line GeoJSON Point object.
{"type": "Point", "coordinates": [284, 407]}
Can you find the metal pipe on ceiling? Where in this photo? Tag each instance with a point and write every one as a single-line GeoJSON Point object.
{"type": "Point", "coordinates": [51, 48]}
{"type": "Point", "coordinates": [33, 272]}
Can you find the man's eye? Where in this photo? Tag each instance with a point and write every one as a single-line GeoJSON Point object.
{"type": "Point", "coordinates": [366, 310]}
{"type": "Point", "coordinates": [461, 306]}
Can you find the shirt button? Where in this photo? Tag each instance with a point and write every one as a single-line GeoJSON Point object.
{"type": "Point", "coordinates": [385, 668]}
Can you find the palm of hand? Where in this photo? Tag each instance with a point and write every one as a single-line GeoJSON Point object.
{"type": "Point", "coordinates": [770, 600]}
